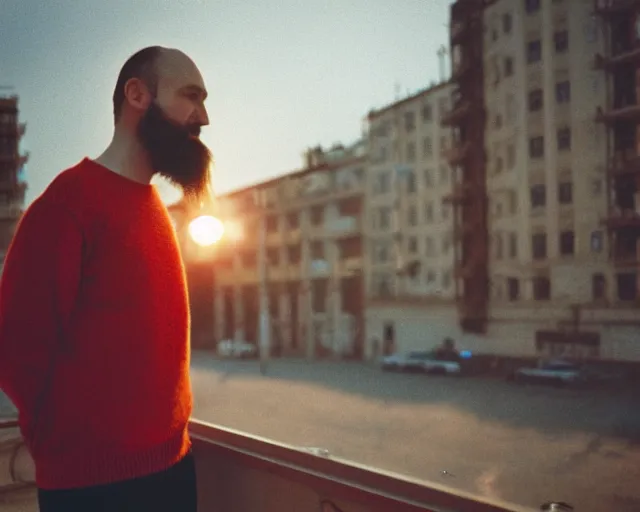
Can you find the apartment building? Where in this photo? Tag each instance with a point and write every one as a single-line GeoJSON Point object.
{"type": "Point", "coordinates": [547, 224]}
{"type": "Point", "coordinates": [12, 184]}
{"type": "Point", "coordinates": [311, 223]}
{"type": "Point", "coordinates": [410, 285]}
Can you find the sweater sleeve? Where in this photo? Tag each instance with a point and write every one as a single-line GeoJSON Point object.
{"type": "Point", "coordinates": [38, 291]}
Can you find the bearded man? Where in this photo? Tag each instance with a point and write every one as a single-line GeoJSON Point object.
{"type": "Point", "coordinates": [94, 317]}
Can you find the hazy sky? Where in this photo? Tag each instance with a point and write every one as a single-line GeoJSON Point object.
{"type": "Point", "coordinates": [282, 75]}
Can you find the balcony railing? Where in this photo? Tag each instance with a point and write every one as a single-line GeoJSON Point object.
{"type": "Point", "coordinates": [244, 473]}
{"type": "Point", "coordinates": [604, 7]}
{"type": "Point", "coordinates": [344, 225]}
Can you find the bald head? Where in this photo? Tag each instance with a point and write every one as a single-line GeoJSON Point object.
{"type": "Point", "coordinates": [163, 72]}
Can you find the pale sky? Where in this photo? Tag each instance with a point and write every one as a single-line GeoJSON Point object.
{"type": "Point", "coordinates": [282, 76]}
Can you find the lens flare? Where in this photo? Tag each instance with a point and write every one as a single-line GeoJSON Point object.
{"type": "Point", "coordinates": [206, 230]}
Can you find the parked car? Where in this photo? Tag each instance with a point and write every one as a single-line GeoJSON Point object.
{"type": "Point", "coordinates": [237, 349]}
{"type": "Point", "coordinates": [556, 372]}
{"type": "Point", "coordinates": [421, 361]}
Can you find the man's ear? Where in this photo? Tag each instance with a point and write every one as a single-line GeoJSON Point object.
{"type": "Point", "coordinates": [137, 94]}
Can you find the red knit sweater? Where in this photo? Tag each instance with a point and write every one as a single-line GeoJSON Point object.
{"type": "Point", "coordinates": [94, 344]}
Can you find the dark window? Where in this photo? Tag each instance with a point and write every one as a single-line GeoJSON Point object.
{"type": "Point", "coordinates": [628, 286]}
{"type": "Point", "coordinates": [598, 286]}
{"type": "Point", "coordinates": [534, 51]}
{"type": "Point", "coordinates": [539, 246]}
{"type": "Point", "coordinates": [535, 100]}
{"type": "Point", "coordinates": [513, 288]}
{"type": "Point", "coordinates": [411, 152]}
{"type": "Point", "coordinates": [411, 183]}
{"type": "Point", "coordinates": [513, 245]}
{"type": "Point", "coordinates": [538, 196]}
{"type": "Point", "coordinates": [536, 147]}
{"type": "Point", "coordinates": [561, 41]}
{"type": "Point", "coordinates": [563, 92]}
{"type": "Point", "coordinates": [413, 244]}
{"type": "Point", "coordinates": [531, 6]}
{"type": "Point", "coordinates": [508, 66]}
{"type": "Point", "coordinates": [597, 241]}
{"type": "Point", "coordinates": [564, 138]}
{"type": "Point", "coordinates": [541, 288]}
{"type": "Point", "coordinates": [409, 121]}
{"type": "Point", "coordinates": [565, 192]}
{"type": "Point", "coordinates": [427, 113]}
{"type": "Point", "coordinates": [507, 22]}
{"type": "Point", "coordinates": [567, 243]}
{"type": "Point", "coordinates": [412, 216]}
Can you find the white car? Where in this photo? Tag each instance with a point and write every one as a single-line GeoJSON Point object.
{"type": "Point", "coordinates": [552, 372]}
{"type": "Point", "coordinates": [420, 361]}
{"type": "Point", "coordinates": [236, 349]}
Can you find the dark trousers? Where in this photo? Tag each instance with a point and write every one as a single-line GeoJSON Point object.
{"type": "Point", "coordinates": [172, 490]}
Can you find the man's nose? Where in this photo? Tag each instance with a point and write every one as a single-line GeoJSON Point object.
{"type": "Point", "coordinates": [203, 117]}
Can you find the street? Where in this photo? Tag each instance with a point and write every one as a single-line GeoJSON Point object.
{"type": "Point", "coordinates": [525, 445]}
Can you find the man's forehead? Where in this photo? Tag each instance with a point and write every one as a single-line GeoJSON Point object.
{"type": "Point", "coordinates": [177, 69]}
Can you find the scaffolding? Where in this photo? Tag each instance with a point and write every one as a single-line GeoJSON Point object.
{"type": "Point", "coordinates": [467, 159]}
{"type": "Point", "coordinates": [619, 22]}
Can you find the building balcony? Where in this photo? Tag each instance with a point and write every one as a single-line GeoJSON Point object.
{"type": "Point", "coordinates": [319, 268]}
{"type": "Point", "coordinates": [459, 193]}
{"type": "Point", "coordinates": [608, 63]}
{"type": "Point", "coordinates": [619, 219]}
{"type": "Point", "coordinates": [350, 266]}
{"type": "Point", "coordinates": [625, 259]}
{"type": "Point", "coordinates": [630, 111]}
{"type": "Point", "coordinates": [344, 226]}
{"type": "Point", "coordinates": [456, 154]}
{"type": "Point", "coordinates": [275, 238]}
{"type": "Point", "coordinates": [608, 7]}
{"type": "Point", "coordinates": [459, 70]}
{"type": "Point", "coordinates": [294, 271]}
{"type": "Point", "coordinates": [624, 163]}
{"type": "Point", "coordinates": [292, 236]}
{"type": "Point", "coordinates": [457, 114]}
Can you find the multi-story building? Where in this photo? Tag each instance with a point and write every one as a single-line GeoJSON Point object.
{"type": "Point", "coordinates": [12, 185]}
{"type": "Point", "coordinates": [409, 223]}
{"type": "Point", "coordinates": [311, 226]}
{"type": "Point", "coordinates": [547, 225]}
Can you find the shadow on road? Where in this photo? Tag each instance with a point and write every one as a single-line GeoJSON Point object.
{"type": "Point", "coordinates": [551, 410]}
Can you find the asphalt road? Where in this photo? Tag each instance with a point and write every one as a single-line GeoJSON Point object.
{"type": "Point", "coordinates": [524, 445]}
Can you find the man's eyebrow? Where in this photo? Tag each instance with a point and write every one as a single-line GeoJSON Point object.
{"type": "Point", "coordinates": [195, 88]}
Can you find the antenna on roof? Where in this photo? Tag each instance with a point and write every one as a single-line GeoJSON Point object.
{"type": "Point", "coordinates": [442, 53]}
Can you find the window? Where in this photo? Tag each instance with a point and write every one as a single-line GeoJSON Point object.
{"type": "Point", "coordinates": [563, 92]}
{"type": "Point", "coordinates": [538, 196]}
{"type": "Point", "coordinates": [428, 212]}
{"type": "Point", "coordinates": [446, 280]}
{"type": "Point", "coordinates": [507, 22]}
{"type": "Point", "coordinates": [411, 183]}
{"type": "Point", "coordinates": [444, 175]}
{"type": "Point", "coordinates": [411, 152]}
{"type": "Point", "coordinates": [596, 187]}
{"type": "Point", "coordinates": [541, 288]}
{"type": "Point", "coordinates": [561, 41]}
{"type": "Point", "coordinates": [627, 286]}
{"type": "Point", "coordinates": [409, 121]}
{"type": "Point", "coordinates": [443, 143]}
{"type": "Point", "coordinates": [597, 241]}
{"type": "Point", "coordinates": [511, 108]}
{"type": "Point", "coordinates": [565, 192]}
{"type": "Point", "coordinates": [444, 210]}
{"type": "Point", "coordinates": [428, 178]}
{"type": "Point", "coordinates": [536, 147]}
{"type": "Point", "coordinates": [412, 216]}
{"type": "Point", "coordinates": [427, 147]}
{"type": "Point", "coordinates": [413, 245]}
{"type": "Point", "coordinates": [385, 217]}
{"type": "Point", "coordinates": [513, 202]}
{"type": "Point", "coordinates": [382, 183]}
{"type": "Point", "coordinates": [446, 244]}
{"type": "Point", "coordinates": [499, 248]}
{"type": "Point", "coordinates": [598, 286]}
{"type": "Point", "coordinates": [534, 51]}
{"type": "Point", "coordinates": [531, 6]}
{"type": "Point", "coordinates": [513, 245]}
{"type": "Point", "coordinates": [567, 243]}
{"type": "Point", "coordinates": [508, 66]}
{"type": "Point", "coordinates": [430, 277]}
{"type": "Point", "coordinates": [513, 288]}
{"type": "Point", "coordinates": [535, 100]}
{"type": "Point", "coordinates": [427, 113]}
{"type": "Point", "coordinates": [564, 139]}
{"type": "Point", "coordinates": [539, 246]}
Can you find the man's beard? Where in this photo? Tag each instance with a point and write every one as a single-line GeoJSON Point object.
{"type": "Point", "coordinates": [176, 153]}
